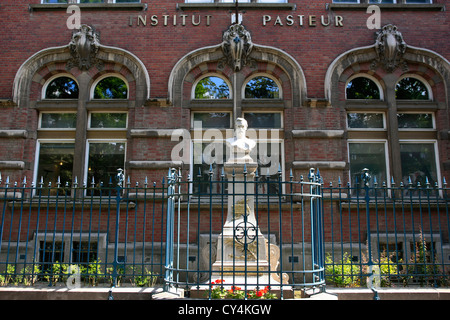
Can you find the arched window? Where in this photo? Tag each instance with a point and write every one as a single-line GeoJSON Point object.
{"type": "Point", "coordinates": [111, 88]}
{"type": "Point", "coordinates": [410, 88]}
{"type": "Point", "coordinates": [212, 87]}
{"type": "Point", "coordinates": [62, 88]}
{"type": "Point", "coordinates": [262, 87]}
{"type": "Point", "coordinates": [362, 88]}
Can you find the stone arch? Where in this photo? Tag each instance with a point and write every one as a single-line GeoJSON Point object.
{"type": "Point", "coordinates": [285, 65]}
{"type": "Point", "coordinates": [56, 58]}
{"type": "Point", "coordinates": [419, 60]}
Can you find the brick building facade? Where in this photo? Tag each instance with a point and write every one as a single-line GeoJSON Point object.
{"type": "Point", "coordinates": [88, 89]}
{"type": "Point", "coordinates": [310, 52]}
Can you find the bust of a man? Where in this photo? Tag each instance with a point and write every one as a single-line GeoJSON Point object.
{"type": "Point", "coordinates": [241, 146]}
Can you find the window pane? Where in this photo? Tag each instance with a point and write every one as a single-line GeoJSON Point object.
{"type": "Point", "coordinates": [62, 88]}
{"type": "Point", "coordinates": [91, 1]}
{"type": "Point", "coordinates": [213, 119]}
{"type": "Point", "coordinates": [418, 162]}
{"type": "Point", "coordinates": [418, 1]}
{"type": "Point", "coordinates": [411, 89]}
{"type": "Point", "coordinates": [272, 1]}
{"type": "Point", "coordinates": [362, 88]}
{"type": "Point", "coordinates": [206, 154]}
{"type": "Point", "coordinates": [108, 120]}
{"type": "Point", "coordinates": [415, 120]}
{"type": "Point", "coordinates": [261, 88]}
{"type": "Point", "coordinates": [58, 120]}
{"type": "Point", "coordinates": [84, 252]}
{"type": "Point", "coordinates": [55, 1]}
{"type": "Point", "coordinates": [367, 155]}
{"type": "Point", "coordinates": [212, 88]}
{"type": "Point", "coordinates": [111, 88]}
{"type": "Point", "coordinates": [121, 1]}
{"type": "Point", "coordinates": [263, 119]}
{"type": "Point", "coordinates": [55, 160]}
{"type": "Point", "coordinates": [345, 1]}
{"type": "Point", "coordinates": [381, 1]}
{"type": "Point", "coordinates": [49, 253]}
{"type": "Point", "coordinates": [365, 120]}
{"type": "Point", "coordinates": [104, 160]}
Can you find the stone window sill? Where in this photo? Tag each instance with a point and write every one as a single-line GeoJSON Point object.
{"type": "Point", "coordinates": [387, 6]}
{"type": "Point", "coordinates": [88, 6]}
{"type": "Point", "coordinates": [232, 6]}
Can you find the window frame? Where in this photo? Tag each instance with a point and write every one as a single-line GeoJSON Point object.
{"type": "Point", "coordinates": [86, 162]}
{"type": "Point", "coordinates": [386, 156]}
{"type": "Point", "coordinates": [102, 77]}
{"type": "Point", "coordinates": [78, 2]}
{"type": "Point", "coordinates": [267, 111]}
{"type": "Point", "coordinates": [384, 128]}
{"type": "Point", "coordinates": [434, 142]}
{"type": "Point", "coordinates": [433, 119]}
{"type": "Point", "coordinates": [280, 141]}
{"type": "Point", "coordinates": [50, 80]}
{"type": "Point", "coordinates": [211, 74]}
{"type": "Point", "coordinates": [89, 128]}
{"type": "Point", "coordinates": [55, 129]}
{"type": "Point", "coordinates": [39, 142]}
{"type": "Point", "coordinates": [419, 78]}
{"type": "Point", "coordinates": [370, 77]}
{"type": "Point", "coordinates": [211, 111]}
{"type": "Point", "coordinates": [262, 74]}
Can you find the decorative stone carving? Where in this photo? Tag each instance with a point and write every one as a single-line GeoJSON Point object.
{"type": "Point", "coordinates": [390, 48]}
{"type": "Point", "coordinates": [84, 47]}
{"type": "Point", "coordinates": [237, 46]}
{"type": "Point", "coordinates": [274, 252]}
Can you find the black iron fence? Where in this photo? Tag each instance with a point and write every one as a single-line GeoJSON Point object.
{"type": "Point", "coordinates": [285, 235]}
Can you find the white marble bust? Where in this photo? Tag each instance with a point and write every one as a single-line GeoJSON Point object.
{"type": "Point", "coordinates": [240, 146]}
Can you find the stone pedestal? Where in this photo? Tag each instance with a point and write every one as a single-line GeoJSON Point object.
{"type": "Point", "coordinates": [241, 248]}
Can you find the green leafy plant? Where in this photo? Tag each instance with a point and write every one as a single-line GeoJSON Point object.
{"type": "Point", "coordinates": [27, 276]}
{"type": "Point", "coordinates": [94, 272]}
{"type": "Point", "coordinates": [344, 273]}
{"type": "Point", "coordinates": [144, 279]}
{"type": "Point", "coordinates": [419, 269]}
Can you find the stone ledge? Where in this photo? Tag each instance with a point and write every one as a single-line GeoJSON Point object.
{"type": "Point", "coordinates": [391, 293]}
{"type": "Point", "coordinates": [319, 164]}
{"type": "Point", "coordinates": [318, 134]}
{"type": "Point", "coordinates": [88, 6]}
{"type": "Point", "coordinates": [154, 164]}
{"type": "Point", "coordinates": [242, 6]}
{"type": "Point", "coordinates": [15, 165]}
{"type": "Point", "coordinates": [64, 293]}
{"type": "Point", "coordinates": [13, 133]}
{"type": "Point", "coordinates": [388, 6]}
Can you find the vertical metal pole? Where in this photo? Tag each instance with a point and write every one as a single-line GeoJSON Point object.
{"type": "Point", "coordinates": [366, 179]}
{"type": "Point", "coordinates": [119, 179]}
{"type": "Point", "coordinates": [168, 279]}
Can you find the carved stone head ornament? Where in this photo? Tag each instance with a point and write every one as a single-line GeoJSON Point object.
{"type": "Point", "coordinates": [237, 46]}
{"type": "Point", "coordinates": [84, 47]}
{"type": "Point", "coordinates": [390, 48]}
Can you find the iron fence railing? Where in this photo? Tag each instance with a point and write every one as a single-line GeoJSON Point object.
{"type": "Point", "coordinates": [395, 235]}
{"type": "Point", "coordinates": [314, 234]}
